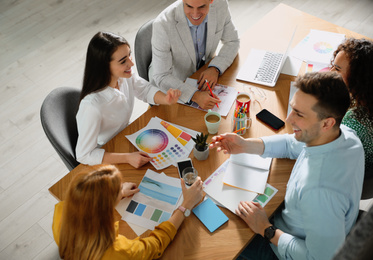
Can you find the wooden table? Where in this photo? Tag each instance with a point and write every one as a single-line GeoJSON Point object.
{"type": "Point", "coordinates": [193, 240]}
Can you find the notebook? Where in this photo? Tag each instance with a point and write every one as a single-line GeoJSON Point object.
{"type": "Point", "coordinates": [210, 215]}
{"type": "Point", "coordinates": [264, 67]}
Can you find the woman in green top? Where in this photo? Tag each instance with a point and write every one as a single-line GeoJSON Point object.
{"type": "Point", "coordinates": [353, 59]}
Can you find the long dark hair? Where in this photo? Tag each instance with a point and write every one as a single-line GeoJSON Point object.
{"type": "Point", "coordinates": [359, 53]}
{"type": "Point", "coordinates": [97, 73]}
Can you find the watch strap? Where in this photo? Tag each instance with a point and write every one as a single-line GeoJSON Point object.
{"type": "Point", "coordinates": [269, 232]}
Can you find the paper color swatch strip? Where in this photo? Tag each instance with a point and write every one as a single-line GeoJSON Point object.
{"type": "Point", "coordinates": [154, 203]}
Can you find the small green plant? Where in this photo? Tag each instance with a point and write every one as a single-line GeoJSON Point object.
{"type": "Point", "coordinates": [200, 141]}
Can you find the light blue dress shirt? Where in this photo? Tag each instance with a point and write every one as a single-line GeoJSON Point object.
{"type": "Point", "coordinates": [322, 195]}
{"type": "Point", "coordinates": [199, 39]}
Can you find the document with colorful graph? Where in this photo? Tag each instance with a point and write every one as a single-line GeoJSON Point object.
{"type": "Point", "coordinates": [318, 47]}
{"type": "Point", "coordinates": [158, 197]}
{"type": "Point", "coordinates": [158, 141]}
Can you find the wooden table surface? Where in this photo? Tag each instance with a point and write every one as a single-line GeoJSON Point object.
{"type": "Point", "coordinates": [193, 240]}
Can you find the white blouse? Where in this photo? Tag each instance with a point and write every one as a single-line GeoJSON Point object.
{"type": "Point", "coordinates": [105, 113]}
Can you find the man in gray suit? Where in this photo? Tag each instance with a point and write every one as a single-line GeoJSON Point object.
{"type": "Point", "coordinates": [185, 37]}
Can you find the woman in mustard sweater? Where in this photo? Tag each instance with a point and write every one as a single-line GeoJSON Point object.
{"type": "Point", "coordinates": [84, 226]}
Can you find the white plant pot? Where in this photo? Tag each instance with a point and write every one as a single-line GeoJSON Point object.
{"type": "Point", "coordinates": [201, 155]}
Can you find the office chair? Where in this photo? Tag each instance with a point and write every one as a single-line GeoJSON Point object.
{"type": "Point", "coordinates": [143, 49]}
{"type": "Point", "coordinates": [359, 243]}
{"type": "Point", "coordinates": [367, 186]}
{"type": "Point", "coordinates": [57, 115]}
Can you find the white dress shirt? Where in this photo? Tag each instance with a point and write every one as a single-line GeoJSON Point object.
{"type": "Point", "coordinates": [105, 113]}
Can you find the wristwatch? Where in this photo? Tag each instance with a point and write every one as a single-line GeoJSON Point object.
{"type": "Point", "coordinates": [269, 232]}
{"type": "Point", "coordinates": [184, 210]}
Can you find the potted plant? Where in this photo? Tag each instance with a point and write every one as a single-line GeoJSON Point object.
{"type": "Point", "coordinates": [201, 149]}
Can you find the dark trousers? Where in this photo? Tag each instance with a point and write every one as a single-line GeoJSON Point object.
{"type": "Point", "coordinates": [258, 249]}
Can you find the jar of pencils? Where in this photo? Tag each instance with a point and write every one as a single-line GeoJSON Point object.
{"type": "Point", "coordinates": [240, 122]}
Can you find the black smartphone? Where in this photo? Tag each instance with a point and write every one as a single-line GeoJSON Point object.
{"type": "Point", "coordinates": [270, 119]}
{"type": "Point", "coordinates": [182, 164]}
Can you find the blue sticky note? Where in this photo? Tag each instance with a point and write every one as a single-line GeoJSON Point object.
{"type": "Point", "coordinates": [210, 215]}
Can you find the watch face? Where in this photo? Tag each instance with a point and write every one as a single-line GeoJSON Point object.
{"type": "Point", "coordinates": [269, 232]}
{"type": "Point", "coordinates": [186, 212]}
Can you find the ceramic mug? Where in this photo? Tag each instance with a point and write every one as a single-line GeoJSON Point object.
{"type": "Point", "coordinates": [243, 100]}
{"type": "Point", "coordinates": [212, 120]}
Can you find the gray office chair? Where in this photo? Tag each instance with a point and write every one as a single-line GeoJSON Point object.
{"type": "Point", "coordinates": [143, 49]}
{"type": "Point", "coordinates": [367, 186]}
{"type": "Point", "coordinates": [359, 242]}
{"type": "Point", "coordinates": [57, 115]}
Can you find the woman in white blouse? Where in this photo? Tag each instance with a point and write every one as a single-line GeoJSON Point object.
{"type": "Point", "coordinates": [107, 100]}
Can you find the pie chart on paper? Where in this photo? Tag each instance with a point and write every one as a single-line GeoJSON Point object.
{"type": "Point", "coordinates": [152, 141]}
{"type": "Point", "coordinates": [323, 47]}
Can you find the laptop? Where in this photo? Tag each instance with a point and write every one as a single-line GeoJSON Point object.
{"type": "Point", "coordinates": [263, 67]}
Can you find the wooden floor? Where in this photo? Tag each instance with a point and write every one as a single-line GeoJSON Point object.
{"type": "Point", "coordinates": [43, 46]}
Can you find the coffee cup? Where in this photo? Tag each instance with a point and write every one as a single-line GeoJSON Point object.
{"type": "Point", "coordinates": [243, 100]}
{"type": "Point", "coordinates": [212, 120]}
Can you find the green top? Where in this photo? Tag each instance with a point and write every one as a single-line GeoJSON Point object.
{"type": "Point", "coordinates": [364, 130]}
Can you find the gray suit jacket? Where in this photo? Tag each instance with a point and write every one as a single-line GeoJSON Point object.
{"type": "Point", "coordinates": [173, 51]}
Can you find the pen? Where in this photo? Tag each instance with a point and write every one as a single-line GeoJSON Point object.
{"type": "Point", "coordinates": [211, 91]}
{"type": "Point", "coordinates": [235, 132]}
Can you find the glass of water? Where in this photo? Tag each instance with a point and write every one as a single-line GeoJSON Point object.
{"type": "Point", "coordinates": [189, 175]}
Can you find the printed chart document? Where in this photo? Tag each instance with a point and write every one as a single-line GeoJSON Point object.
{"type": "Point", "coordinates": [247, 172]}
{"type": "Point", "coordinates": [226, 94]}
{"type": "Point", "coordinates": [318, 47]}
{"type": "Point", "coordinates": [158, 197]}
{"type": "Point", "coordinates": [164, 142]}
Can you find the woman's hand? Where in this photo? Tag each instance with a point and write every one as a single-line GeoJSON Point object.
{"type": "Point", "coordinates": [193, 195]}
{"type": "Point", "coordinates": [172, 96]}
{"type": "Point", "coordinates": [128, 189]}
{"type": "Point", "coordinates": [138, 159]}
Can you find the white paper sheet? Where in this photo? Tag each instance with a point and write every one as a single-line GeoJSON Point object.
{"type": "Point", "coordinates": [226, 94]}
{"type": "Point", "coordinates": [158, 197]}
{"type": "Point", "coordinates": [228, 196]}
{"type": "Point", "coordinates": [318, 46]}
{"type": "Point", "coordinates": [155, 140]}
{"type": "Point", "coordinates": [247, 172]}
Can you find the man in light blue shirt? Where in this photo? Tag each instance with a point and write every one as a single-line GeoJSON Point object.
{"type": "Point", "coordinates": [324, 189]}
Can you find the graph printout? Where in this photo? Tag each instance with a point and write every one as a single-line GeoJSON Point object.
{"type": "Point", "coordinates": [318, 47]}
{"type": "Point", "coordinates": [158, 197]}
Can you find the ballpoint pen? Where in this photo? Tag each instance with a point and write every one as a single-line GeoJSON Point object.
{"type": "Point", "coordinates": [211, 91]}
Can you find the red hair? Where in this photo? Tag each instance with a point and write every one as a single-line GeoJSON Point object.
{"type": "Point", "coordinates": [87, 226]}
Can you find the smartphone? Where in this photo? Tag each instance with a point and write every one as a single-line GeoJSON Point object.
{"type": "Point", "coordinates": [270, 119]}
{"type": "Point", "coordinates": [182, 164]}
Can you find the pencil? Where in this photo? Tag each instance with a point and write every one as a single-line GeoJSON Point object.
{"type": "Point", "coordinates": [211, 91]}
{"type": "Point", "coordinates": [235, 132]}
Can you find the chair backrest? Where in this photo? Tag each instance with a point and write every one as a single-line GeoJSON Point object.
{"type": "Point", "coordinates": [359, 242]}
{"type": "Point", "coordinates": [143, 49]}
{"type": "Point", "coordinates": [367, 186]}
{"type": "Point", "coordinates": [57, 115]}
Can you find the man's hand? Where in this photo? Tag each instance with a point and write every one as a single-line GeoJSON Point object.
{"type": "Point", "coordinates": [211, 75]}
{"type": "Point", "coordinates": [205, 100]}
{"type": "Point", "coordinates": [254, 216]}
